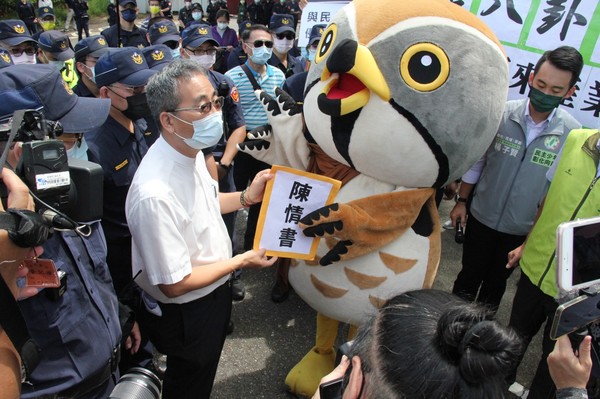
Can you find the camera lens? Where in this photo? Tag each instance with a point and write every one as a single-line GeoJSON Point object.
{"type": "Point", "coordinates": [138, 383]}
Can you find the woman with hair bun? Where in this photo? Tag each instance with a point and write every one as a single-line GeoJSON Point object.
{"type": "Point", "coordinates": [429, 344]}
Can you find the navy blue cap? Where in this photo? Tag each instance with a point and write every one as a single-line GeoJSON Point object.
{"type": "Point", "coordinates": [125, 65]}
{"type": "Point", "coordinates": [157, 56]}
{"type": "Point", "coordinates": [56, 43]}
{"type": "Point", "coordinates": [42, 87]}
{"type": "Point", "coordinates": [243, 26]}
{"type": "Point", "coordinates": [163, 31]}
{"type": "Point", "coordinates": [94, 46]}
{"type": "Point", "coordinates": [196, 6]}
{"type": "Point", "coordinates": [45, 11]}
{"type": "Point", "coordinates": [14, 32]}
{"type": "Point", "coordinates": [5, 58]}
{"type": "Point", "coordinates": [282, 23]}
{"type": "Point", "coordinates": [194, 36]}
{"type": "Point", "coordinates": [123, 3]}
{"type": "Point", "coordinates": [315, 33]}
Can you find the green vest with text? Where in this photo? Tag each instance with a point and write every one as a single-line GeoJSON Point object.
{"type": "Point", "coordinates": [572, 195]}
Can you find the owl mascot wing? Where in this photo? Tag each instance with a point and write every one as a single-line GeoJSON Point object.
{"type": "Point", "coordinates": [401, 99]}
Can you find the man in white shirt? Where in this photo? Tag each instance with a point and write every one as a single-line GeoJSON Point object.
{"type": "Point", "coordinates": [180, 243]}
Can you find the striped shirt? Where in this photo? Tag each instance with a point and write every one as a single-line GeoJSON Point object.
{"type": "Point", "coordinates": [254, 113]}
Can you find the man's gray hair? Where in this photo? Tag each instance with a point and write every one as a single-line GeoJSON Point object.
{"type": "Point", "coordinates": [162, 90]}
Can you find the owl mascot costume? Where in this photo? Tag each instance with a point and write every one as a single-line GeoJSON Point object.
{"type": "Point", "coordinates": [403, 97]}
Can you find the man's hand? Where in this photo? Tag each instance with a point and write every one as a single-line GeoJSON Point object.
{"type": "Point", "coordinates": [135, 338]}
{"type": "Point", "coordinates": [255, 259]}
{"type": "Point", "coordinates": [514, 257]}
{"type": "Point", "coordinates": [459, 212]}
{"type": "Point", "coordinates": [256, 190]}
{"type": "Point", "coordinates": [568, 369]}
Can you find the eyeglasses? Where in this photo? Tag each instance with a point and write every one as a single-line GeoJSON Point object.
{"type": "Point", "coordinates": [211, 51]}
{"type": "Point", "coordinates": [132, 90]}
{"type": "Point", "coordinates": [216, 103]}
{"type": "Point", "coordinates": [286, 35]}
{"type": "Point", "coordinates": [260, 43]}
{"type": "Point", "coordinates": [17, 52]}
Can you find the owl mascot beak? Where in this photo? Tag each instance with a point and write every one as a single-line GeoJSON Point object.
{"type": "Point", "coordinates": [355, 75]}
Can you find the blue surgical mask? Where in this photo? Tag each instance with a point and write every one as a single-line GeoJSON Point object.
{"type": "Point", "coordinates": [311, 54]}
{"type": "Point", "coordinates": [59, 65]}
{"type": "Point", "coordinates": [79, 150]}
{"type": "Point", "coordinates": [196, 16]}
{"type": "Point", "coordinates": [222, 25]}
{"type": "Point", "coordinates": [129, 15]}
{"type": "Point", "coordinates": [176, 53]}
{"type": "Point", "coordinates": [260, 55]}
{"type": "Point", "coordinates": [207, 131]}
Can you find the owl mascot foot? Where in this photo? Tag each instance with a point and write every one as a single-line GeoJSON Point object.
{"type": "Point", "coordinates": [304, 378]}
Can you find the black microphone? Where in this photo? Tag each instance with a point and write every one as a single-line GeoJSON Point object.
{"type": "Point", "coordinates": [459, 236]}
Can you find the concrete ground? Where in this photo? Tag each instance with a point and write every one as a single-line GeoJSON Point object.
{"type": "Point", "coordinates": [270, 338]}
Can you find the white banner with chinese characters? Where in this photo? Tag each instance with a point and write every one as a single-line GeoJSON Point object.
{"type": "Point", "coordinates": [527, 28]}
{"type": "Point", "coordinates": [289, 196]}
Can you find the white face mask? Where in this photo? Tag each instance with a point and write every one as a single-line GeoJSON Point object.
{"type": "Point", "coordinates": [283, 45]}
{"type": "Point", "coordinates": [222, 25]}
{"type": "Point", "coordinates": [206, 61]}
{"type": "Point", "coordinates": [24, 59]}
{"type": "Point", "coordinates": [59, 65]}
{"type": "Point", "coordinates": [79, 150]}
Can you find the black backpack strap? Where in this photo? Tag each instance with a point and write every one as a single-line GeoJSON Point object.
{"type": "Point", "coordinates": [251, 77]}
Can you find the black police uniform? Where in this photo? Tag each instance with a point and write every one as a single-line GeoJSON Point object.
{"type": "Point", "coordinates": [26, 13]}
{"type": "Point", "coordinates": [119, 153]}
{"type": "Point", "coordinates": [185, 15]}
{"type": "Point", "coordinates": [233, 119]}
{"type": "Point", "coordinates": [237, 57]}
{"type": "Point", "coordinates": [295, 64]}
{"type": "Point", "coordinates": [135, 38]}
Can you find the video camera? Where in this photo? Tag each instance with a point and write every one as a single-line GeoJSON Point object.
{"type": "Point", "coordinates": [59, 185]}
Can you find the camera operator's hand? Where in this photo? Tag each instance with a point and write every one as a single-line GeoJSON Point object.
{"type": "Point", "coordinates": [568, 369]}
{"type": "Point", "coordinates": [337, 373]}
{"type": "Point", "coordinates": [18, 193]}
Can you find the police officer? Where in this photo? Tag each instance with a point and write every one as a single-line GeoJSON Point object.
{"type": "Point", "coordinates": [284, 35]}
{"type": "Point", "coordinates": [46, 18]}
{"type": "Point", "coordinates": [77, 329]}
{"type": "Point", "coordinates": [87, 52]}
{"type": "Point", "coordinates": [157, 56]}
{"type": "Point", "coordinates": [54, 48]}
{"type": "Point", "coordinates": [15, 37]}
{"type": "Point", "coordinates": [118, 146]}
{"type": "Point", "coordinates": [165, 32]}
{"type": "Point", "coordinates": [238, 56]}
{"type": "Point", "coordinates": [185, 13]}
{"type": "Point", "coordinates": [199, 45]}
{"type": "Point", "coordinates": [129, 35]}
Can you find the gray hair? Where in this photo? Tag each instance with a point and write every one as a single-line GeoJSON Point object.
{"type": "Point", "coordinates": [162, 90]}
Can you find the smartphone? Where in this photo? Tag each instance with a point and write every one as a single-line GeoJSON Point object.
{"type": "Point", "coordinates": [578, 254]}
{"type": "Point", "coordinates": [331, 389]}
{"type": "Point", "coordinates": [574, 315]}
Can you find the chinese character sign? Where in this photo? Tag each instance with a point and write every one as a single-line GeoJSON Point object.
{"type": "Point", "coordinates": [289, 196]}
{"type": "Point", "coordinates": [526, 28]}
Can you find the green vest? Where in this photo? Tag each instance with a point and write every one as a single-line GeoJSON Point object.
{"type": "Point", "coordinates": [68, 73]}
{"type": "Point", "coordinates": [572, 195]}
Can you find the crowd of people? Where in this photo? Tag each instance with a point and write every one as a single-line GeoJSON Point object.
{"type": "Point", "coordinates": [161, 108]}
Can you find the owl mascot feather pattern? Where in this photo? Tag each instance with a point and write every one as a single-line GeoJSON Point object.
{"type": "Point", "coordinates": [402, 98]}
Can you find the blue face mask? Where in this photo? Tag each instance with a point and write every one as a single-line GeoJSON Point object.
{"type": "Point", "coordinates": [79, 150]}
{"type": "Point", "coordinates": [207, 131]}
{"type": "Point", "coordinates": [129, 15]}
{"type": "Point", "coordinates": [311, 54]}
{"type": "Point", "coordinates": [176, 53]}
{"type": "Point", "coordinates": [260, 55]}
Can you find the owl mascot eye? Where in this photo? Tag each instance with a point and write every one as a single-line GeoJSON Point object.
{"type": "Point", "coordinates": [401, 99]}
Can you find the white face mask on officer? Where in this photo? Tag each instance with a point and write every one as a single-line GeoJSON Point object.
{"type": "Point", "coordinates": [79, 150]}
{"type": "Point", "coordinates": [283, 45]}
{"type": "Point", "coordinates": [23, 59]}
{"type": "Point", "coordinates": [206, 61]}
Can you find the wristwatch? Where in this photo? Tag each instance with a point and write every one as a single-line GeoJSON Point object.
{"type": "Point", "coordinates": [460, 199]}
